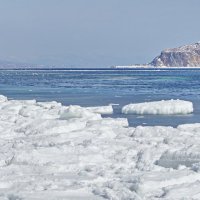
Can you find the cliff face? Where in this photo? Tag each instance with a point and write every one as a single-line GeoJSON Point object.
{"type": "Point", "coordinates": [184, 56]}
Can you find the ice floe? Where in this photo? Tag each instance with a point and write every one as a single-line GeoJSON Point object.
{"type": "Point", "coordinates": [164, 107]}
{"type": "Point", "coordinates": [101, 109]}
{"type": "Point", "coordinates": [50, 151]}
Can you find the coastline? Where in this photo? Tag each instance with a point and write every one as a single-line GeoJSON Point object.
{"type": "Point", "coordinates": [152, 67]}
{"type": "Point", "coordinates": [103, 68]}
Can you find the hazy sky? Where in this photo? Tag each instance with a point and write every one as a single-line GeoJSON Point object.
{"type": "Point", "coordinates": [95, 33]}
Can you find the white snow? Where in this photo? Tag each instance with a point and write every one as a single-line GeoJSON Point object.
{"type": "Point", "coordinates": [50, 151]}
{"type": "Point", "coordinates": [164, 107]}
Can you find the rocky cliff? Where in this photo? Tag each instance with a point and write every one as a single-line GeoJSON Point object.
{"type": "Point", "coordinates": [184, 56]}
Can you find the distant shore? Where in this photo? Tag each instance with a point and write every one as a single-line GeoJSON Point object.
{"type": "Point", "coordinates": [151, 67]}
{"type": "Point", "coordinates": [133, 67]}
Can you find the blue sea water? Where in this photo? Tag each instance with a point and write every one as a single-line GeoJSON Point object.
{"type": "Point", "coordinates": [102, 86]}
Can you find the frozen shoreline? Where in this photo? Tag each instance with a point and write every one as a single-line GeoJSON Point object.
{"type": "Point", "coordinates": [50, 151]}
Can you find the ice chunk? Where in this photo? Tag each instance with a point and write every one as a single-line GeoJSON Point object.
{"type": "Point", "coordinates": [101, 109]}
{"type": "Point", "coordinates": [153, 182]}
{"type": "Point", "coordinates": [110, 122]}
{"type": "Point", "coordinates": [173, 159]}
{"type": "Point", "coordinates": [164, 107]}
{"type": "Point", "coordinates": [3, 98]}
{"type": "Point", "coordinates": [189, 127]}
{"type": "Point", "coordinates": [49, 105]}
{"type": "Point", "coordinates": [79, 112]}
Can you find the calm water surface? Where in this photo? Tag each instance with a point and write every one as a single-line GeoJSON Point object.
{"type": "Point", "coordinates": [102, 87]}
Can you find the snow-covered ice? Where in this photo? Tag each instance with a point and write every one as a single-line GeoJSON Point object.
{"type": "Point", "coordinates": [101, 109]}
{"type": "Point", "coordinates": [164, 107]}
{"type": "Point", "coordinates": [50, 151]}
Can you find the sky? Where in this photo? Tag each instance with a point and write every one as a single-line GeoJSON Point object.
{"type": "Point", "coordinates": [94, 33]}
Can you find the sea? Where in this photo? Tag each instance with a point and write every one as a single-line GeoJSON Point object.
{"type": "Point", "coordinates": [99, 87]}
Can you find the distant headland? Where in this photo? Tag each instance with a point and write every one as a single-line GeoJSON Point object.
{"type": "Point", "coordinates": [183, 56]}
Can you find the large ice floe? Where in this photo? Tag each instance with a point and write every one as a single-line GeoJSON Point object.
{"type": "Point", "coordinates": [164, 107]}
{"type": "Point", "coordinates": [50, 151]}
